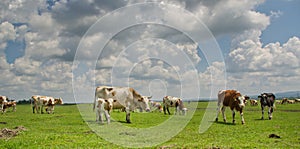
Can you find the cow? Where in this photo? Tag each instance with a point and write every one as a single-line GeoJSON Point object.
{"type": "Point", "coordinates": [3, 99]}
{"type": "Point", "coordinates": [156, 106]}
{"type": "Point", "coordinates": [50, 105]}
{"type": "Point", "coordinates": [44, 101]}
{"type": "Point", "coordinates": [232, 99]}
{"type": "Point", "coordinates": [170, 101]}
{"type": "Point", "coordinates": [290, 101]}
{"type": "Point", "coordinates": [9, 104]}
{"type": "Point", "coordinates": [126, 96]}
{"type": "Point", "coordinates": [284, 100]}
{"type": "Point", "coordinates": [297, 100]}
{"type": "Point", "coordinates": [253, 102]}
{"type": "Point", "coordinates": [104, 106]}
{"type": "Point", "coordinates": [267, 99]}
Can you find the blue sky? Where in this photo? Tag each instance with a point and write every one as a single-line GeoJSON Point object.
{"type": "Point", "coordinates": [38, 43]}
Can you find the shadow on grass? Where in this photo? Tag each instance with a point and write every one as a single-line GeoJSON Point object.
{"type": "Point", "coordinates": [224, 123]}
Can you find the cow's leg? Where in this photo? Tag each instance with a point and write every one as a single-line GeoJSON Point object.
{"type": "Point", "coordinates": [223, 113]}
{"type": "Point", "coordinates": [164, 108]}
{"type": "Point", "coordinates": [42, 107]}
{"type": "Point", "coordinates": [233, 116]}
{"type": "Point", "coordinates": [168, 111]}
{"type": "Point", "coordinates": [242, 117]}
{"type": "Point", "coordinates": [270, 112]}
{"type": "Point", "coordinates": [127, 115]}
{"type": "Point", "coordinates": [218, 112]}
{"type": "Point", "coordinates": [107, 116]}
{"type": "Point", "coordinates": [262, 112]}
{"type": "Point", "coordinates": [100, 116]}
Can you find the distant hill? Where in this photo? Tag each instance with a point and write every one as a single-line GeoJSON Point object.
{"type": "Point", "coordinates": [288, 94]}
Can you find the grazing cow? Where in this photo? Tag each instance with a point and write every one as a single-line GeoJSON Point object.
{"type": "Point", "coordinates": [297, 100]}
{"type": "Point", "coordinates": [9, 104]}
{"type": "Point", "coordinates": [253, 102]}
{"type": "Point", "coordinates": [50, 105]}
{"type": "Point", "coordinates": [3, 99]}
{"type": "Point", "coordinates": [104, 106]}
{"type": "Point", "coordinates": [126, 96]}
{"type": "Point", "coordinates": [156, 106]}
{"type": "Point", "coordinates": [284, 100]}
{"type": "Point", "coordinates": [45, 101]}
{"type": "Point", "coordinates": [232, 99]}
{"type": "Point", "coordinates": [267, 99]}
{"type": "Point", "coordinates": [290, 101]}
{"type": "Point", "coordinates": [169, 101]}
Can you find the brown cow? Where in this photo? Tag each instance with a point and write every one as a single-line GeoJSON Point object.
{"type": "Point", "coordinates": [232, 99]}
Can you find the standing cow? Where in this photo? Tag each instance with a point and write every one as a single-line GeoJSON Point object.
{"type": "Point", "coordinates": [126, 96]}
{"type": "Point", "coordinates": [267, 99]}
{"type": "Point", "coordinates": [39, 102]}
{"type": "Point", "coordinates": [232, 99]}
{"type": "Point", "coordinates": [3, 100]}
{"type": "Point", "coordinates": [170, 101]}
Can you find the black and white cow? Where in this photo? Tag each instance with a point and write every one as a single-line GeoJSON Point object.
{"type": "Point", "coordinates": [267, 99]}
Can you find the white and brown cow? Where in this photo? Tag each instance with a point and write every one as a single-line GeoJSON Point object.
{"type": "Point", "coordinates": [156, 106]}
{"type": "Point", "coordinates": [253, 102]}
{"type": "Point", "coordinates": [125, 96]}
{"type": "Point", "coordinates": [9, 104]}
{"type": "Point", "coordinates": [3, 100]}
{"type": "Point", "coordinates": [232, 99]}
{"type": "Point", "coordinates": [39, 102]}
{"type": "Point", "coordinates": [170, 101]}
{"type": "Point", "coordinates": [104, 106]}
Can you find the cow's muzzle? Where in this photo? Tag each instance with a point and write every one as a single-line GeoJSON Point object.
{"type": "Point", "coordinates": [147, 110]}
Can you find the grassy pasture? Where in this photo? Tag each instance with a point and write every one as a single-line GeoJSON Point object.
{"type": "Point", "coordinates": [66, 129]}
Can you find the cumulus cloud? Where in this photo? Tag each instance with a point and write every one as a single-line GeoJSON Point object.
{"type": "Point", "coordinates": [144, 52]}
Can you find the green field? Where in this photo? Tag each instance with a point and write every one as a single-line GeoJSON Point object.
{"type": "Point", "coordinates": [67, 129]}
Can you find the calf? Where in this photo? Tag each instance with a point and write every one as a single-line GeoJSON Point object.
{"type": "Point", "coordinates": [104, 106]}
{"type": "Point", "coordinates": [156, 106]}
{"type": "Point", "coordinates": [267, 99]}
{"type": "Point", "coordinates": [169, 101]}
{"type": "Point", "coordinates": [253, 102]}
{"type": "Point", "coordinates": [232, 99]}
{"type": "Point", "coordinates": [9, 104]}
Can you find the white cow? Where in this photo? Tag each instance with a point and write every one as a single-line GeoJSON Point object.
{"type": "Point", "coordinates": [104, 106]}
{"type": "Point", "coordinates": [44, 101]}
{"type": "Point", "coordinates": [126, 96]}
{"type": "Point", "coordinates": [170, 101]}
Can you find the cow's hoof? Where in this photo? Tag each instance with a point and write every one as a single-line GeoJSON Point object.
{"type": "Point", "coordinates": [128, 121]}
{"type": "Point", "coordinates": [243, 122]}
{"type": "Point", "coordinates": [270, 118]}
{"type": "Point", "coordinates": [224, 120]}
{"type": "Point", "coordinates": [233, 122]}
{"type": "Point", "coordinates": [216, 119]}
{"type": "Point", "coordinates": [262, 118]}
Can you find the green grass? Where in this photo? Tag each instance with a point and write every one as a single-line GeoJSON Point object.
{"type": "Point", "coordinates": [66, 128]}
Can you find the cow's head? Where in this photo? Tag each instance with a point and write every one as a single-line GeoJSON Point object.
{"type": "Point", "coordinates": [110, 103]}
{"type": "Point", "coordinates": [58, 101]}
{"type": "Point", "coordinates": [144, 103]}
{"type": "Point", "coordinates": [240, 100]}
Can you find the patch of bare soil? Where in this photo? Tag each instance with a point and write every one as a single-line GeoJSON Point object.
{"type": "Point", "coordinates": [6, 133]}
